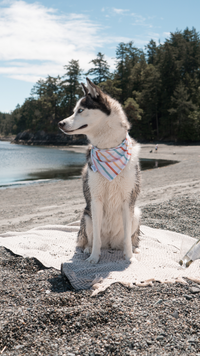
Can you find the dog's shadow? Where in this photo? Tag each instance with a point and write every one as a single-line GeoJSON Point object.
{"type": "Point", "coordinates": [82, 274]}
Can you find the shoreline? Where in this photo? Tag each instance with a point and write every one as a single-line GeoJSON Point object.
{"type": "Point", "coordinates": [62, 202]}
{"type": "Point", "coordinates": [58, 145]}
{"type": "Point", "coordinates": [7, 138]}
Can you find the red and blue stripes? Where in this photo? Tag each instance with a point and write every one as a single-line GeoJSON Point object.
{"type": "Point", "coordinates": [110, 162]}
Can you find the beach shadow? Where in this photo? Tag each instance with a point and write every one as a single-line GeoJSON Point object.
{"type": "Point", "coordinates": [83, 275]}
{"type": "Point", "coordinates": [60, 284]}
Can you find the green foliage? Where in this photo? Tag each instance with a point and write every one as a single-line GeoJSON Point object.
{"type": "Point", "coordinates": [70, 84]}
{"type": "Point", "coordinates": [182, 112]}
{"type": "Point", "coordinates": [100, 69]}
{"type": "Point", "coordinates": [6, 124]}
{"type": "Point", "coordinates": [110, 87]}
{"type": "Point", "coordinates": [132, 110]}
{"type": "Point", "coordinates": [127, 57]}
{"type": "Point", "coordinates": [134, 114]}
{"type": "Point", "coordinates": [159, 90]}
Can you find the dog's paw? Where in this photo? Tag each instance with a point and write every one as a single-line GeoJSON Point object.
{"type": "Point", "coordinates": [88, 249]}
{"type": "Point", "coordinates": [129, 257]}
{"type": "Point", "coordinates": [93, 259]}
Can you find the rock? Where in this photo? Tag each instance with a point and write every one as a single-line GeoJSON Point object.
{"type": "Point", "coordinates": [44, 138]}
{"type": "Point", "coordinates": [194, 290]}
{"type": "Point", "coordinates": [175, 314]}
{"type": "Point", "coordinates": [188, 297]}
{"type": "Point", "coordinates": [159, 301]}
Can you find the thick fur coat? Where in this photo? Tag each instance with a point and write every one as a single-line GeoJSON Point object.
{"type": "Point", "coordinates": [110, 218]}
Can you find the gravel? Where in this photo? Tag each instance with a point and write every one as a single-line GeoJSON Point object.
{"type": "Point", "coordinates": [180, 214]}
{"type": "Point", "coordinates": [41, 314]}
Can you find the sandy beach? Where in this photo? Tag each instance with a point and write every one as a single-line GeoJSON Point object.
{"type": "Point", "coordinates": [40, 314]}
{"type": "Point", "coordinates": [62, 202]}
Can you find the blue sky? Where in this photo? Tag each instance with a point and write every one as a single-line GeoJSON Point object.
{"type": "Point", "coordinates": [37, 38]}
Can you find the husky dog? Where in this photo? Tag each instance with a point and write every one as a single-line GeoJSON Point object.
{"type": "Point", "coordinates": [110, 218]}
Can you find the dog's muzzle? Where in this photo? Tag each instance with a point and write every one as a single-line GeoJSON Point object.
{"type": "Point", "coordinates": [61, 124]}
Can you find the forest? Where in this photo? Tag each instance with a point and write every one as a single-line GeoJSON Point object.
{"type": "Point", "coordinates": [158, 87]}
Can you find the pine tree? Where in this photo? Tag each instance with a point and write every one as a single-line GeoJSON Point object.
{"type": "Point", "coordinates": [148, 99]}
{"type": "Point", "coordinates": [181, 109]}
{"type": "Point", "coordinates": [48, 94]}
{"type": "Point", "coordinates": [127, 56]}
{"type": "Point", "coordinates": [71, 84]}
{"type": "Point", "coordinates": [134, 114]}
{"type": "Point", "coordinates": [100, 69]}
{"type": "Point", "coordinates": [151, 52]}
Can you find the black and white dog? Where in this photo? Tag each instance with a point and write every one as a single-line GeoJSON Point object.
{"type": "Point", "coordinates": [111, 177]}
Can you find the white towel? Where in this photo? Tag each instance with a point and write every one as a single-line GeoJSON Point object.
{"type": "Point", "coordinates": [160, 252]}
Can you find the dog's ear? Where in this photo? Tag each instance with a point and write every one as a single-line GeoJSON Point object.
{"type": "Point", "coordinates": [94, 91]}
{"type": "Point", "coordinates": [85, 89]}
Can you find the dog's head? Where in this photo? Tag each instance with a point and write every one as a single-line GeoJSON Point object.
{"type": "Point", "coordinates": [88, 112]}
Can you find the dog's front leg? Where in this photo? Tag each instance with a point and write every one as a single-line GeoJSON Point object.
{"type": "Point", "coordinates": [127, 231]}
{"type": "Point", "coordinates": [97, 212]}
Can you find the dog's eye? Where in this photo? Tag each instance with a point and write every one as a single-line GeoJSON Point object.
{"type": "Point", "coordinates": [80, 111]}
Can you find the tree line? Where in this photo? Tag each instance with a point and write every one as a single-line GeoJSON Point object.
{"type": "Point", "coordinates": [158, 87]}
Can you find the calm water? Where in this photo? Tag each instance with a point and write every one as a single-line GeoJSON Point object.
{"type": "Point", "coordinates": [29, 164]}
{"type": "Point", "coordinates": [26, 164]}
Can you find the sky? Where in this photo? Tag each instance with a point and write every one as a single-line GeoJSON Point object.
{"type": "Point", "coordinates": [37, 38]}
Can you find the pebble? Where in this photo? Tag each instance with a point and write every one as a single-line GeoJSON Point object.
{"type": "Point", "coordinates": [188, 297]}
{"type": "Point", "coordinates": [159, 301]}
{"type": "Point", "coordinates": [195, 290]}
{"type": "Point", "coordinates": [175, 314]}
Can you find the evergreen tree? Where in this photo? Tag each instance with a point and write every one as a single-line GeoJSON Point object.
{"type": "Point", "coordinates": [181, 108]}
{"type": "Point", "coordinates": [71, 84]}
{"type": "Point", "coordinates": [149, 97]}
{"type": "Point", "coordinates": [100, 69]}
{"type": "Point", "coordinates": [151, 52]}
{"type": "Point", "coordinates": [127, 56]}
{"type": "Point", "coordinates": [134, 115]}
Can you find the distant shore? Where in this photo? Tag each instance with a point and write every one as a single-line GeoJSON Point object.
{"type": "Point", "coordinates": [7, 138]}
{"type": "Point", "coordinates": [60, 140]}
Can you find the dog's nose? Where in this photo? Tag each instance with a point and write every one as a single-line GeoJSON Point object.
{"type": "Point", "coordinates": [61, 124]}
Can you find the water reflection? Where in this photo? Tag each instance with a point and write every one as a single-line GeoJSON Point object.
{"type": "Point", "coordinates": [154, 163]}
{"type": "Point", "coordinates": [71, 172]}
{"type": "Point", "coordinates": [27, 164]}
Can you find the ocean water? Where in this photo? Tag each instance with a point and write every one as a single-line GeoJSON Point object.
{"type": "Point", "coordinates": [21, 165]}
{"type": "Point", "coordinates": [27, 164]}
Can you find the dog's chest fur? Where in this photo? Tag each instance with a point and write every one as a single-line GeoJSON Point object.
{"type": "Point", "coordinates": [113, 193]}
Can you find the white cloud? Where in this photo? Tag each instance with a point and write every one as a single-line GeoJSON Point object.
{"type": "Point", "coordinates": [166, 34]}
{"type": "Point", "coordinates": [138, 18]}
{"type": "Point", "coordinates": [120, 11]}
{"type": "Point", "coordinates": [36, 41]}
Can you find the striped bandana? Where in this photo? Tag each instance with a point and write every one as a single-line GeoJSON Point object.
{"type": "Point", "coordinates": [110, 162]}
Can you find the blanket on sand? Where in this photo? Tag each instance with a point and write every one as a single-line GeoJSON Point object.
{"type": "Point", "coordinates": [55, 246]}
